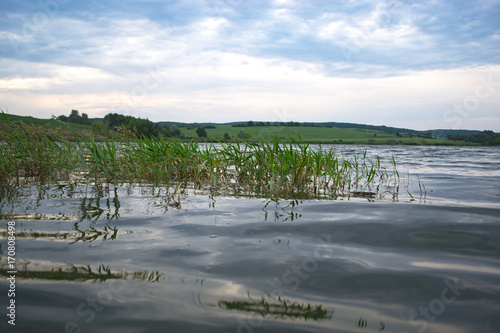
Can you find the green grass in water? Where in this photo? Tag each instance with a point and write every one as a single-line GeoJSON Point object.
{"type": "Point", "coordinates": [31, 154]}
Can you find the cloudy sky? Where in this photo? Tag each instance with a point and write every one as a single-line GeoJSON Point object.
{"type": "Point", "coordinates": [414, 64]}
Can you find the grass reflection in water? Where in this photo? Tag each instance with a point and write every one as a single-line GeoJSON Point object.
{"type": "Point", "coordinates": [279, 307]}
{"type": "Point", "coordinates": [83, 273]}
{"type": "Point", "coordinates": [93, 234]}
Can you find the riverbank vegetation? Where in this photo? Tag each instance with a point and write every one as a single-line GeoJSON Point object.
{"type": "Point", "coordinates": [31, 154]}
{"type": "Point", "coordinates": [485, 138]}
{"type": "Point", "coordinates": [113, 125]}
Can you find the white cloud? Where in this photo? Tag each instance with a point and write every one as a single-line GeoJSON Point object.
{"type": "Point", "coordinates": [49, 77]}
{"type": "Point", "coordinates": [381, 28]}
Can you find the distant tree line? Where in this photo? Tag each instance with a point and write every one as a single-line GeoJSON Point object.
{"type": "Point", "coordinates": [382, 128]}
{"type": "Point", "coordinates": [267, 123]}
{"type": "Point", "coordinates": [142, 127]}
{"type": "Point", "coordinates": [76, 118]}
{"type": "Point", "coordinates": [487, 138]}
{"type": "Point", "coordinates": [114, 121]}
{"type": "Point", "coordinates": [445, 133]}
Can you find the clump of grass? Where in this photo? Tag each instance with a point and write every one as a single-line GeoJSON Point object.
{"type": "Point", "coordinates": [265, 168]}
{"type": "Point", "coordinates": [32, 152]}
{"type": "Point", "coordinates": [296, 170]}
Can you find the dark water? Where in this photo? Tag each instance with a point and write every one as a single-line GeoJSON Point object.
{"type": "Point", "coordinates": [126, 261]}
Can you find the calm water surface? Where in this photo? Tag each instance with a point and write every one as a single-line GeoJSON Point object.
{"type": "Point", "coordinates": [126, 261]}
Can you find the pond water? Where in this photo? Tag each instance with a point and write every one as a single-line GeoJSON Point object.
{"type": "Point", "coordinates": [128, 260]}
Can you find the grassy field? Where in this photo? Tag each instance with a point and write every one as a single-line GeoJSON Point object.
{"type": "Point", "coordinates": [319, 135]}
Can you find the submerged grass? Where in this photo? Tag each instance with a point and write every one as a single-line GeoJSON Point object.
{"type": "Point", "coordinates": [31, 154]}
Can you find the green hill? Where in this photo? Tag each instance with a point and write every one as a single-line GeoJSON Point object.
{"type": "Point", "coordinates": [44, 122]}
{"type": "Point", "coordinates": [316, 135]}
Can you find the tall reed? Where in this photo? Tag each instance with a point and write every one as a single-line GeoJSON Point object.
{"type": "Point", "coordinates": [29, 152]}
